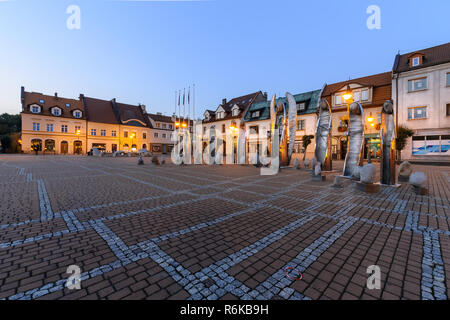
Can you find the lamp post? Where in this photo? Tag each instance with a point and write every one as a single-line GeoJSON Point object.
{"type": "Point", "coordinates": [348, 98]}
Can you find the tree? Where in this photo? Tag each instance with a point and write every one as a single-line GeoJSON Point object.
{"type": "Point", "coordinates": [10, 123]}
{"type": "Point", "coordinates": [306, 140]}
{"type": "Point", "coordinates": [403, 133]}
{"type": "Point", "coordinates": [10, 127]}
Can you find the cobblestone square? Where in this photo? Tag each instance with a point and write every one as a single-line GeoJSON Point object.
{"type": "Point", "coordinates": [214, 232]}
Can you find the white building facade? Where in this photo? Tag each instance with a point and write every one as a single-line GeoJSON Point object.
{"type": "Point", "coordinates": [421, 91]}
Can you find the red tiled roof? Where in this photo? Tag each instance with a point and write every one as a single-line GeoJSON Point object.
{"type": "Point", "coordinates": [100, 111]}
{"type": "Point", "coordinates": [30, 98]}
{"type": "Point", "coordinates": [129, 113]}
{"type": "Point", "coordinates": [243, 102]}
{"type": "Point", "coordinates": [431, 56]}
{"type": "Point", "coordinates": [377, 80]}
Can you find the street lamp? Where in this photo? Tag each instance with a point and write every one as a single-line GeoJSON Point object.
{"type": "Point", "coordinates": [348, 95]}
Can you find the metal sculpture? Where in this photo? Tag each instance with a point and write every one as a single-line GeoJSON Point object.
{"type": "Point", "coordinates": [355, 135]}
{"type": "Point", "coordinates": [387, 134]}
{"type": "Point", "coordinates": [323, 133]}
{"type": "Point", "coordinates": [291, 121]}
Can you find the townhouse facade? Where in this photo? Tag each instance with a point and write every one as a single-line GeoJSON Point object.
{"type": "Point", "coordinates": [371, 92]}
{"type": "Point", "coordinates": [56, 125]}
{"type": "Point", "coordinates": [257, 123]}
{"type": "Point", "coordinates": [421, 92]}
{"type": "Point", "coordinates": [162, 133]}
{"type": "Point", "coordinates": [227, 119]}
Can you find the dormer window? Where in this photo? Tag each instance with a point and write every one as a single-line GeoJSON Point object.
{"type": "Point", "coordinates": [255, 114]}
{"type": "Point", "coordinates": [415, 59]}
{"type": "Point", "coordinates": [35, 109]}
{"type": "Point", "coordinates": [77, 114]}
{"type": "Point", "coordinates": [301, 106]}
{"type": "Point", "coordinates": [56, 111]}
{"type": "Point", "coordinates": [235, 112]}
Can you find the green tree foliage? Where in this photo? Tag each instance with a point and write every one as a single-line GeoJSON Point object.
{"type": "Point", "coordinates": [10, 127]}
{"type": "Point", "coordinates": [403, 133]}
{"type": "Point", "coordinates": [306, 140]}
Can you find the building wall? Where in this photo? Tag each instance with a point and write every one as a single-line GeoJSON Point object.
{"type": "Point", "coordinates": [435, 98]}
{"type": "Point", "coordinates": [310, 129]}
{"type": "Point", "coordinates": [70, 137]}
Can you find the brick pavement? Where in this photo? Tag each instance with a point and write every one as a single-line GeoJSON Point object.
{"type": "Point", "coordinates": [214, 232]}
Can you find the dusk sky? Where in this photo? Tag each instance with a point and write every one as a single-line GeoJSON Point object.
{"type": "Point", "coordinates": [142, 51]}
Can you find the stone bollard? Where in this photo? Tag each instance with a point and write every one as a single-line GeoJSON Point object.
{"type": "Point", "coordinates": [296, 164]}
{"type": "Point", "coordinates": [338, 182]}
{"type": "Point", "coordinates": [404, 172]}
{"type": "Point", "coordinates": [155, 160]}
{"type": "Point", "coordinates": [316, 175]}
{"type": "Point", "coordinates": [140, 160]}
{"type": "Point", "coordinates": [367, 179]}
{"type": "Point", "coordinates": [418, 181]}
{"type": "Point", "coordinates": [306, 163]}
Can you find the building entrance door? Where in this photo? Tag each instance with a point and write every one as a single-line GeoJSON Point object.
{"type": "Point", "coordinates": [64, 147]}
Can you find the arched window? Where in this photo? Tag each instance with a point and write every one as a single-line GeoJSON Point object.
{"type": "Point", "coordinates": [144, 146]}
{"type": "Point", "coordinates": [49, 145]}
{"type": "Point", "coordinates": [36, 145]}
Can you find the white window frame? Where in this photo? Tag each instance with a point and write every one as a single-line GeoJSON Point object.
{"type": "Point", "coordinates": [36, 126]}
{"type": "Point", "coordinates": [415, 80]}
{"type": "Point", "coordinates": [65, 128]}
{"type": "Point", "coordinates": [77, 114]}
{"type": "Point", "coordinates": [417, 107]}
{"type": "Point", "coordinates": [113, 133]}
{"type": "Point", "coordinates": [155, 135]}
{"type": "Point", "coordinates": [103, 133]}
{"type": "Point", "coordinates": [93, 132]}
{"type": "Point", "coordinates": [415, 62]}
{"type": "Point", "coordinates": [255, 114]}
{"type": "Point", "coordinates": [447, 79]}
{"type": "Point", "coordinates": [49, 127]}
{"type": "Point", "coordinates": [38, 108]}
{"type": "Point", "coordinates": [301, 104]}
{"type": "Point", "coordinates": [58, 110]}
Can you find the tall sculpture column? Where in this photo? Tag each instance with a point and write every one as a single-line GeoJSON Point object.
{"type": "Point", "coordinates": [323, 141]}
{"type": "Point", "coordinates": [356, 139]}
{"type": "Point", "coordinates": [387, 164]}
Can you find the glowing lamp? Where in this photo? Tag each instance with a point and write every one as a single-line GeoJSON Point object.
{"type": "Point", "coordinates": [184, 125]}
{"type": "Point", "coordinates": [348, 95]}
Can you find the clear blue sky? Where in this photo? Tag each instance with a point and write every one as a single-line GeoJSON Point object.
{"type": "Point", "coordinates": [141, 52]}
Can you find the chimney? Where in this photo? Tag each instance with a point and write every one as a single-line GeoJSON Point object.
{"type": "Point", "coordinates": [224, 102]}
{"type": "Point", "coordinates": [159, 113]}
{"type": "Point", "coordinates": [56, 95]}
{"type": "Point", "coordinates": [265, 95]}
